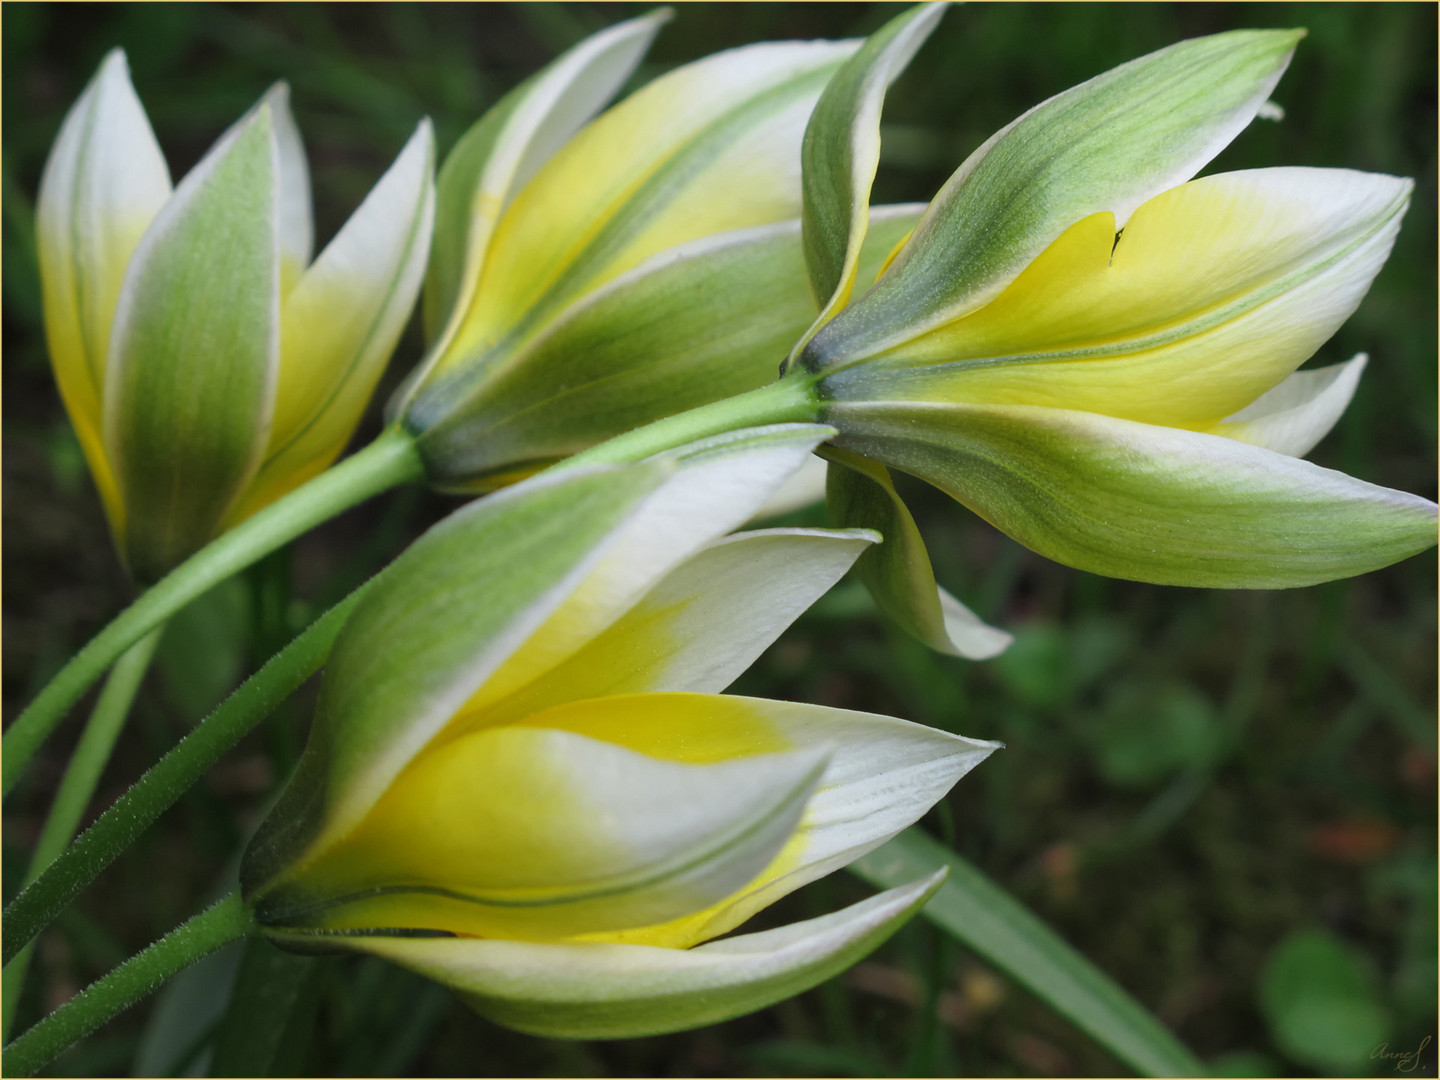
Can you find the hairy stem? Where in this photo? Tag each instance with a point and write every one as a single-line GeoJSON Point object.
{"type": "Point", "coordinates": [142, 974]}
{"type": "Point", "coordinates": [77, 787]}
{"type": "Point", "coordinates": [387, 462]}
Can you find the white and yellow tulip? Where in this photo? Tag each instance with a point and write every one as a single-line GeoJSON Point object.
{"type": "Point", "coordinates": [523, 781]}
{"type": "Point", "coordinates": [1091, 350]}
{"type": "Point", "coordinates": [207, 364]}
{"type": "Point", "coordinates": [588, 280]}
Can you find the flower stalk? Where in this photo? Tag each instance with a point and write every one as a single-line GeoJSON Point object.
{"type": "Point", "coordinates": [39, 902]}
{"type": "Point", "coordinates": [386, 463]}
{"type": "Point", "coordinates": [78, 785]}
{"type": "Point", "coordinates": [139, 976]}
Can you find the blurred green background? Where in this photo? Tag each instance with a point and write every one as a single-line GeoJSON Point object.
{"type": "Point", "coordinates": [1226, 800]}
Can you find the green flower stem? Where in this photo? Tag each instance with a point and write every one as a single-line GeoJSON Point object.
{"type": "Point", "coordinates": [78, 785]}
{"type": "Point", "coordinates": [387, 462]}
{"type": "Point", "coordinates": [35, 906]}
{"type": "Point", "coordinates": [986, 919]}
{"type": "Point", "coordinates": [790, 400]}
{"type": "Point", "coordinates": [142, 974]}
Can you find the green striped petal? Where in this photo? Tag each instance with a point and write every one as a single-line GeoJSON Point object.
{"type": "Point", "coordinates": [709, 148]}
{"type": "Point", "coordinates": [542, 834]}
{"type": "Point", "coordinates": [492, 599]}
{"type": "Point", "coordinates": [1138, 501]}
{"type": "Point", "coordinates": [340, 323]}
{"type": "Point", "coordinates": [881, 775]}
{"type": "Point", "coordinates": [190, 384]}
{"type": "Point", "coordinates": [439, 620]}
{"type": "Point", "coordinates": [508, 145]}
{"type": "Point", "coordinates": [297, 224]}
{"type": "Point", "coordinates": [702, 625]}
{"type": "Point", "coordinates": [594, 991]}
{"type": "Point", "coordinates": [704, 321]}
{"type": "Point", "coordinates": [1108, 144]}
{"type": "Point", "coordinates": [1297, 414]}
{"type": "Point", "coordinates": [104, 182]}
{"type": "Point", "coordinates": [842, 151]}
{"type": "Point", "coordinates": [897, 571]}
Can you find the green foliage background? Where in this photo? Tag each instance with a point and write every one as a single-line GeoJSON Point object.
{"type": "Point", "coordinates": [1226, 800]}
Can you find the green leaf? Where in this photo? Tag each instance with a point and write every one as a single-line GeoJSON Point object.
{"type": "Point", "coordinates": [897, 571]}
{"type": "Point", "coordinates": [1108, 144]}
{"type": "Point", "coordinates": [195, 350]}
{"type": "Point", "coordinates": [1320, 1002]}
{"type": "Point", "coordinates": [989, 921]}
{"type": "Point", "coordinates": [270, 1015]}
{"type": "Point", "coordinates": [203, 649]}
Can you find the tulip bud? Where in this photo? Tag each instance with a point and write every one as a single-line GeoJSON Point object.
{"type": "Point", "coordinates": [1092, 353]}
{"type": "Point", "coordinates": [523, 782]}
{"type": "Point", "coordinates": [207, 365]}
{"type": "Point", "coordinates": [587, 282]}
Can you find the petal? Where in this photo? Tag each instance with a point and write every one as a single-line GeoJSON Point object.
{"type": "Point", "coordinates": [541, 834]}
{"type": "Point", "coordinates": [842, 151]}
{"type": "Point", "coordinates": [897, 571]}
{"type": "Point", "coordinates": [708, 148]}
{"type": "Point", "coordinates": [190, 385]}
{"type": "Point", "coordinates": [621, 991]}
{"type": "Point", "coordinates": [341, 322]}
{"type": "Point", "coordinates": [1108, 144]}
{"type": "Point", "coordinates": [431, 629]}
{"type": "Point", "coordinates": [883, 774]}
{"type": "Point", "coordinates": [719, 485]}
{"type": "Point", "coordinates": [494, 597]}
{"type": "Point", "coordinates": [104, 182]}
{"type": "Point", "coordinates": [701, 322]}
{"type": "Point", "coordinates": [1141, 502]}
{"type": "Point", "coordinates": [805, 489]}
{"type": "Point", "coordinates": [1215, 292]}
{"type": "Point", "coordinates": [297, 226]}
{"type": "Point", "coordinates": [508, 145]}
{"type": "Point", "coordinates": [1299, 412]}
{"type": "Point", "coordinates": [701, 626]}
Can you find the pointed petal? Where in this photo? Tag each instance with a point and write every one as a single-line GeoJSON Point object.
{"type": "Point", "coordinates": [542, 834]}
{"type": "Point", "coordinates": [1215, 292]}
{"type": "Point", "coordinates": [1298, 413]}
{"type": "Point", "coordinates": [883, 775]}
{"type": "Point", "coordinates": [842, 151]}
{"type": "Point", "coordinates": [897, 571]}
{"type": "Point", "coordinates": [708, 148]}
{"type": "Point", "coordinates": [341, 322]}
{"type": "Point", "coordinates": [806, 488]}
{"type": "Point", "coordinates": [508, 145]}
{"type": "Point", "coordinates": [719, 485]}
{"type": "Point", "coordinates": [1142, 502]}
{"type": "Point", "coordinates": [703, 625]}
{"type": "Point", "coordinates": [432, 628]}
{"type": "Point", "coordinates": [104, 182]}
{"type": "Point", "coordinates": [701, 322]}
{"type": "Point", "coordinates": [494, 597]}
{"type": "Point", "coordinates": [190, 384]}
{"type": "Point", "coordinates": [621, 991]}
{"type": "Point", "coordinates": [1108, 144]}
{"type": "Point", "coordinates": [297, 226]}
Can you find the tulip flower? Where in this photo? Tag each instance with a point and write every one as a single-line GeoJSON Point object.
{"type": "Point", "coordinates": [1089, 349]}
{"type": "Point", "coordinates": [587, 282]}
{"type": "Point", "coordinates": [523, 781]}
{"type": "Point", "coordinates": [207, 364]}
